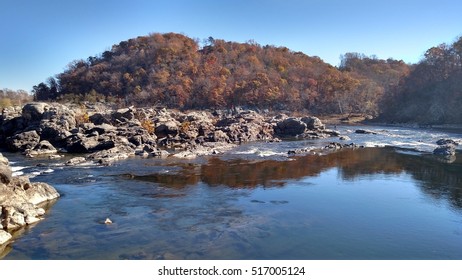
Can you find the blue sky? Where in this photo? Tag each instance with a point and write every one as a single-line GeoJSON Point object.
{"type": "Point", "coordinates": [40, 37]}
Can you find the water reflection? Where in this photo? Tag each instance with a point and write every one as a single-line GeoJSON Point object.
{"type": "Point", "coordinates": [436, 178]}
{"type": "Point", "coordinates": [359, 204]}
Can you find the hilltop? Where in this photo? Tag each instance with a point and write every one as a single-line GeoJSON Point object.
{"type": "Point", "coordinates": [175, 71]}
{"type": "Point", "coordinates": [172, 70]}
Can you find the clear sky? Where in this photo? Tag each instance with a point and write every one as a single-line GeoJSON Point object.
{"type": "Point", "coordinates": [40, 37]}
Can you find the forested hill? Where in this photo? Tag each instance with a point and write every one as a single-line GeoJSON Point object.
{"type": "Point", "coordinates": [174, 71]}
{"type": "Point", "coordinates": [432, 92]}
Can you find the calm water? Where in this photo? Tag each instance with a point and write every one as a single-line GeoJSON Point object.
{"type": "Point", "coordinates": [255, 203]}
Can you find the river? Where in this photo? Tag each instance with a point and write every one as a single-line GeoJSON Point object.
{"type": "Point", "coordinates": [391, 199]}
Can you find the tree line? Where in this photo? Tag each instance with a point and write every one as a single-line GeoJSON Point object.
{"type": "Point", "coordinates": [173, 70]}
{"type": "Point", "coordinates": [9, 97]}
{"type": "Point", "coordinates": [432, 92]}
{"type": "Point", "coordinates": [176, 71]}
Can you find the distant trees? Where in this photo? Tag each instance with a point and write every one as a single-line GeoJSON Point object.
{"type": "Point", "coordinates": [170, 69]}
{"type": "Point", "coordinates": [10, 97]}
{"type": "Point", "coordinates": [432, 92]}
{"type": "Point", "coordinates": [377, 79]}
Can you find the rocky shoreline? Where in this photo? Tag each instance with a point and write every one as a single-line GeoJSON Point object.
{"type": "Point", "coordinates": [95, 133]}
{"type": "Point", "coordinates": [21, 202]}
{"type": "Point", "coordinates": [105, 135]}
{"type": "Point", "coordinates": [99, 134]}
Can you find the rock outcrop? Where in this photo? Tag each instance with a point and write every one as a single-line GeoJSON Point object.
{"type": "Point", "coordinates": [106, 135]}
{"type": "Point", "coordinates": [20, 201]}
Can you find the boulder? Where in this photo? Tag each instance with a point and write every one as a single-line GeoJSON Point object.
{"type": "Point", "coordinates": [23, 141]}
{"type": "Point", "coordinates": [313, 123]}
{"type": "Point", "coordinates": [75, 161]}
{"type": "Point", "coordinates": [365, 131]}
{"type": "Point", "coordinates": [106, 157]}
{"type": "Point", "coordinates": [4, 160]}
{"type": "Point", "coordinates": [4, 236]}
{"type": "Point", "coordinates": [81, 144]}
{"type": "Point", "coordinates": [99, 119]}
{"type": "Point", "coordinates": [290, 127]}
{"type": "Point", "coordinates": [445, 150]}
{"type": "Point", "coordinates": [167, 129]}
{"type": "Point", "coordinates": [19, 200]}
{"type": "Point", "coordinates": [5, 174]}
{"type": "Point", "coordinates": [34, 193]}
{"type": "Point", "coordinates": [42, 148]}
{"type": "Point", "coordinates": [446, 142]}
{"type": "Point", "coordinates": [34, 111]}
{"type": "Point", "coordinates": [220, 136]}
{"type": "Point", "coordinates": [123, 115]}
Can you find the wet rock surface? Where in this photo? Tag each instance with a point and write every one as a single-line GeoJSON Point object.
{"type": "Point", "coordinates": [20, 201]}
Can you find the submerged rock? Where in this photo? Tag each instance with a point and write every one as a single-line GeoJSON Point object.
{"type": "Point", "coordinates": [365, 131]}
{"type": "Point", "coordinates": [445, 150]}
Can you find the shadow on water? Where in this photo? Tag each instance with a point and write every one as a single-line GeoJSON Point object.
{"type": "Point", "coordinates": [438, 179]}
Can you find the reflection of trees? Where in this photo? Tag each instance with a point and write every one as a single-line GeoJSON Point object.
{"type": "Point", "coordinates": [440, 180]}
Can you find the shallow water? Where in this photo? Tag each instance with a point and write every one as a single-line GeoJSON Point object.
{"type": "Point", "coordinates": [256, 203]}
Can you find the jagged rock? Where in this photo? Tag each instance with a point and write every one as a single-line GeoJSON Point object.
{"type": "Point", "coordinates": [4, 237]}
{"type": "Point", "coordinates": [220, 136]}
{"type": "Point", "coordinates": [23, 141]}
{"type": "Point", "coordinates": [344, 138]}
{"type": "Point", "coordinates": [99, 119]}
{"type": "Point", "coordinates": [4, 160]}
{"type": "Point", "coordinates": [19, 200]}
{"type": "Point", "coordinates": [5, 174]}
{"type": "Point", "coordinates": [167, 129]}
{"type": "Point", "coordinates": [75, 161]}
{"type": "Point", "coordinates": [365, 131]}
{"type": "Point", "coordinates": [290, 127]}
{"type": "Point", "coordinates": [123, 115]}
{"type": "Point", "coordinates": [446, 142]}
{"type": "Point", "coordinates": [108, 156]}
{"type": "Point", "coordinates": [42, 148]}
{"type": "Point", "coordinates": [102, 129]}
{"type": "Point", "coordinates": [82, 144]}
{"type": "Point", "coordinates": [34, 193]}
{"type": "Point", "coordinates": [53, 132]}
{"type": "Point", "coordinates": [34, 111]}
{"type": "Point", "coordinates": [445, 150]}
{"type": "Point", "coordinates": [313, 123]}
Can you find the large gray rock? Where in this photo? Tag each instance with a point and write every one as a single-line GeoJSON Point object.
{"type": "Point", "coordinates": [4, 236]}
{"type": "Point", "coordinates": [23, 141]}
{"type": "Point", "coordinates": [290, 127]}
{"type": "Point", "coordinates": [446, 142]}
{"type": "Point", "coordinates": [4, 160]}
{"type": "Point", "coordinates": [5, 174]}
{"type": "Point", "coordinates": [167, 129]}
{"type": "Point", "coordinates": [445, 150]}
{"type": "Point", "coordinates": [123, 115]}
{"type": "Point", "coordinates": [5, 171]}
{"type": "Point", "coordinates": [313, 123]}
{"type": "Point", "coordinates": [34, 111]}
{"type": "Point", "coordinates": [19, 203]}
{"type": "Point", "coordinates": [42, 148]}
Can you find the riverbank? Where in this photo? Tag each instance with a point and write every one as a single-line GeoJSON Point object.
{"type": "Point", "coordinates": [21, 202]}
{"type": "Point", "coordinates": [105, 135]}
